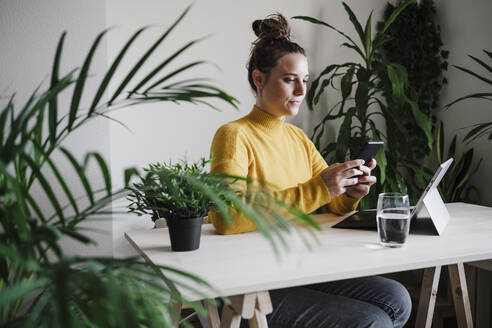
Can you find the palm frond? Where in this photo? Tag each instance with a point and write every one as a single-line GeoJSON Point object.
{"type": "Point", "coordinates": [319, 22]}
{"type": "Point", "coordinates": [53, 103]}
{"type": "Point", "coordinates": [144, 58]}
{"type": "Point", "coordinates": [103, 167]}
{"type": "Point", "coordinates": [472, 73]}
{"type": "Point", "coordinates": [482, 129]}
{"type": "Point", "coordinates": [109, 74]}
{"type": "Point", "coordinates": [80, 84]}
{"type": "Point", "coordinates": [256, 203]}
{"type": "Point", "coordinates": [156, 70]}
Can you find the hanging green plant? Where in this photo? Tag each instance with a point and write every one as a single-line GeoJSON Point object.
{"type": "Point", "coordinates": [415, 42]}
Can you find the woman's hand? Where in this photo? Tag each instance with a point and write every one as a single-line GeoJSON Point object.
{"type": "Point", "coordinates": [341, 176]}
{"type": "Point", "coordinates": [365, 182]}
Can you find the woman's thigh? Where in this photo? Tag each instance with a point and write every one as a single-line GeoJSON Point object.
{"type": "Point", "coordinates": [386, 294]}
{"type": "Point", "coordinates": [305, 307]}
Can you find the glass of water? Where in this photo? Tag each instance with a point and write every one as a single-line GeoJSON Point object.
{"type": "Point", "coordinates": [393, 219]}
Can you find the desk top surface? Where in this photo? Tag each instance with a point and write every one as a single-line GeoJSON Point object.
{"type": "Point", "coordinates": [243, 263]}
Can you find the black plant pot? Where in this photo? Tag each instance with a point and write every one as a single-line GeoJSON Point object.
{"type": "Point", "coordinates": [185, 233]}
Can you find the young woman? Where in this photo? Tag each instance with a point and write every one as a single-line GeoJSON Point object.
{"type": "Point", "coordinates": [262, 146]}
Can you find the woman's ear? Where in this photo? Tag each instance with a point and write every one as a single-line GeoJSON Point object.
{"type": "Point", "coordinates": [258, 79]}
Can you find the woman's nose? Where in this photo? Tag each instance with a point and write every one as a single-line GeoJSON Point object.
{"type": "Point", "coordinates": [300, 89]}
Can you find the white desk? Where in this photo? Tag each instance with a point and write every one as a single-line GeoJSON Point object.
{"type": "Point", "coordinates": [245, 264]}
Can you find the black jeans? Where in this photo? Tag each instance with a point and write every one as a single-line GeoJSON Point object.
{"type": "Point", "coordinates": [374, 302]}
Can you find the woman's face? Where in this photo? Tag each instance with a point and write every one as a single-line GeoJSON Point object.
{"type": "Point", "coordinates": [282, 93]}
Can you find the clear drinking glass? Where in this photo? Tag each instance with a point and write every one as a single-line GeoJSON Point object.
{"type": "Point", "coordinates": [393, 219]}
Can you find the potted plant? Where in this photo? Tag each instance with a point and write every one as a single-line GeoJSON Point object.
{"type": "Point", "coordinates": [166, 192]}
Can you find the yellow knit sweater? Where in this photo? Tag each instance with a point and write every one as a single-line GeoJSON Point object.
{"type": "Point", "coordinates": [263, 147]}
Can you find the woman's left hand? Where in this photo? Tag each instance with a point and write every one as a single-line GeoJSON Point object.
{"type": "Point", "coordinates": [365, 182]}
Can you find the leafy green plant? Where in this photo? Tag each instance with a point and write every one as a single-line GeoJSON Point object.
{"type": "Point", "coordinates": [183, 190]}
{"type": "Point", "coordinates": [454, 185]}
{"type": "Point", "coordinates": [361, 87]}
{"type": "Point", "coordinates": [165, 191]}
{"type": "Point", "coordinates": [415, 42]}
{"type": "Point", "coordinates": [42, 286]}
{"type": "Point", "coordinates": [481, 129]}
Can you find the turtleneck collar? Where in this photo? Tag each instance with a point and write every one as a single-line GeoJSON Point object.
{"type": "Point", "coordinates": [265, 120]}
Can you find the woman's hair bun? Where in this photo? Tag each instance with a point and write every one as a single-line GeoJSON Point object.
{"type": "Point", "coordinates": [274, 26]}
{"type": "Point", "coordinates": [273, 42]}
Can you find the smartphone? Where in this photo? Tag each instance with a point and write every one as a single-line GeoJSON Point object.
{"type": "Point", "coordinates": [369, 150]}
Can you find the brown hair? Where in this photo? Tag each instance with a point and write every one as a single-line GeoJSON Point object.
{"type": "Point", "coordinates": [273, 42]}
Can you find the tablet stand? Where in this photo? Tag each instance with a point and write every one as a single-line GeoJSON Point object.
{"type": "Point", "coordinates": [434, 209]}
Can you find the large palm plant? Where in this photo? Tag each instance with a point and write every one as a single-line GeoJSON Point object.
{"type": "Point", "coordinates": [362, 85]}
{"type": "Point", "coordinates": [42, 286]}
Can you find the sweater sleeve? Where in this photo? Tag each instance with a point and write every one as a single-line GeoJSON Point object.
{"type": "Point", "coordinates": [343, 204]}
{"type": "Point", "coordinates": [230, 156]}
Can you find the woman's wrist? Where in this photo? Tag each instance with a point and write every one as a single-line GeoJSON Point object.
{"type": "Point", "coordinates": [347, 193]}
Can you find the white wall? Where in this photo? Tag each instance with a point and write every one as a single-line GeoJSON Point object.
{"type": "Point", "coordinates": [29, 33]}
